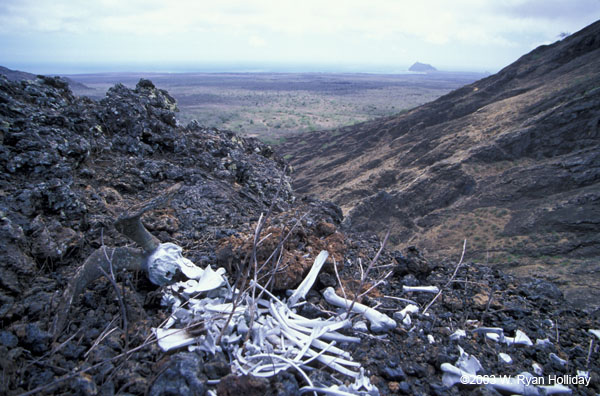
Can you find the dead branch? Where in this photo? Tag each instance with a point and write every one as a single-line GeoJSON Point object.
{"type": "Point", "coordinates": [364, 275]}
{"type": "Point", "coordinates": [462, 256]}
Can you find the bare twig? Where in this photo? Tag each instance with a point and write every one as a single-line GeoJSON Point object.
{"type": "Point", "coordinates": [364, 275]}
{"type": "Point", "coordinates": [406, 300]}
{"type": "Point", "coordinates": [337, 275]}
{"type": "Point", "coordinates": [93, 268]}
{"type": "Point", "coordinates": [105, 333]}
{"type": "Point", "coordinates": [462, 256]}
{"type": "Point", "coordinates": [75, 373]}
{"type": "Point", "coordinates": [488, 305]}
{"type": "Point", "coordinates": [589, 355]}
{"type": "Point", "coordinates": [379, 282]}
{"type": "Point", "coordinates": [111, 278]}
{"type": "Point", "coordinates": [243, 279]}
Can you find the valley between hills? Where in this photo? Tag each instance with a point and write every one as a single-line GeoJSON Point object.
{"type": "Point", "coordinates": [510, 162]}
{"type": "Point", "coordinates": [271, 106]}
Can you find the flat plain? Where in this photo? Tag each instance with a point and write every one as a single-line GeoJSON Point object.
{"type": "Point", "coordinates": [273, 105]}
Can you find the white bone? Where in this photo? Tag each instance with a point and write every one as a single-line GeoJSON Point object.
{"type": "Point", "coordinates": [467, 362]}
{"type": "Point", "coordinates": [410, 308]}
{"type": "Point", "coordinates": [554, 357]}
{"type": "Point", "coordinates": [379, 322]}
{"type": "Point", "coordinates": [309, 280]}
{"type": "Point", "coordinates": [172, 338]}
{"type": "Point", "coordinates": [458, 334]}
{"type": "Point", "coordinates": [421, 289]}
{"type": "Point", "coordinates": [556, 389]}
{"type": "Point", "coordinates": [164, 263]}
{"type": "Point", "coordinates": [505, 358]}
{"type": "Point", "coordinates": [494, 336]}
{"type": "Point", "coordinates": [486, 330]}
{"type": "Point", "coordinates": [543, 342]}
{"type": "Point", "coordinates": [360, 326]}
{"type": "Point", "coordinates": [520, 338]}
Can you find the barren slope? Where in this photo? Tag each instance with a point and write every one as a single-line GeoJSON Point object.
{"type": "Point", "coordinates": [510, 162]}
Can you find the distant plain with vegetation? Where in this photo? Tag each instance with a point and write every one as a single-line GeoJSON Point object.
{"type": "Point", "coordinates": [273, 105]}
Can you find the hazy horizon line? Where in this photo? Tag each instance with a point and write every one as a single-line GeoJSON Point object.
{"type": "Point", "coordinates": [57, 68]}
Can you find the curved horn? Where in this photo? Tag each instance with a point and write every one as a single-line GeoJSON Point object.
{"type": "Point", "coordinates": [130, 224]}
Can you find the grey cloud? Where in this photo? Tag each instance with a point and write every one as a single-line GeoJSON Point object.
{"type": "Point", "coordinates": [551, 9]}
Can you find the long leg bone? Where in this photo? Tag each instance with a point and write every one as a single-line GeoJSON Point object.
{"type": "Point", "coordinates": [379, 321]}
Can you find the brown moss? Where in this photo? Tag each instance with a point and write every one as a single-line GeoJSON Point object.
{"type": "Point", "coordinates": [297, 256]}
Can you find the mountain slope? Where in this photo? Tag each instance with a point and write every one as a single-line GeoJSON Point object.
{"type": "Point", "coordinates": [510, 162]}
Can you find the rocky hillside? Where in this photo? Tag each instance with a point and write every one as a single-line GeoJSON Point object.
{"type": "Point", "coordinates": [510, 162]}
{"type": "Point", "coordinates": [76, 171]}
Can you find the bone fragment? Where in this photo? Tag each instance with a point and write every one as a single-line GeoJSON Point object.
{"type": "Point", "coordinates": [519, 339]}
{"type": "Point", "coordinates": [554, 357]}
{"type": "Point", "coordinates": [458, 334]}
{"type": "Point", "coordinates": [486, 330]}
{"type": "Point", "coordinates": [172, 338]}
{"type": "Point", "coordinates": [494, 336]}
{"type": "Point", "coordinates": [360, 326]}
{"type": "Point", "coordinates": [497, 334]}
{"type": "Point", "coordinates": [543, 342]}
{"type": "Point", "coordinates": [505, 358]}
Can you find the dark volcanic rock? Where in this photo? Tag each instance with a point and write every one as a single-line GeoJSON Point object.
{"type": "Point", "coordinates": [510, 162]}
{"type": "Point", "coordinates": [72, 165]}
{"type": "Point", "coordinates": [180, 377]}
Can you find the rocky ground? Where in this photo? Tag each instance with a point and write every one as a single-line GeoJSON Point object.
{"type": "Point", "coordinates": [71, 166]}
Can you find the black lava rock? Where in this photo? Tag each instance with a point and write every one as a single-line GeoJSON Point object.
{"type": "Point", "coordinates": [181, 377]}
{"type": "Point", "coordinates": [8, 339]}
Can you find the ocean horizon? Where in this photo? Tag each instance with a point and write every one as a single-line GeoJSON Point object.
{"type": "Point", "coordinates": [97, 68]}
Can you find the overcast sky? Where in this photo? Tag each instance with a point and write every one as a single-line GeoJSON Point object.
{"type": "Point", "coordinates": [57, 36]}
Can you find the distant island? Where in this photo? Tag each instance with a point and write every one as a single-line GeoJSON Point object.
{"type": "Point", "coordinates": [422, 67]}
